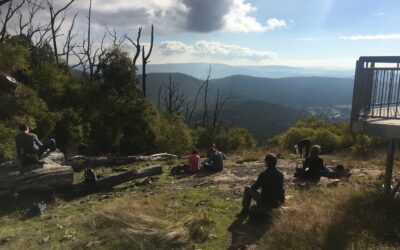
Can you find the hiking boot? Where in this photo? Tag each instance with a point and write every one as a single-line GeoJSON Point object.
{"type": "Point", "coordinates": [243, 214]}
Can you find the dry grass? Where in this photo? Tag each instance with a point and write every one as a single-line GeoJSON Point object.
{"type": "Point", "coordinates": [173, 213]}
{"type": "Point", "coordinates": [128, 224]}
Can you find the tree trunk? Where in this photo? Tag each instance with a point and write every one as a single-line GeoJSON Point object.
{"type": "Point", "coordinates": [111, 181]}
{"type": "Point", "coordinates": [50, 177]}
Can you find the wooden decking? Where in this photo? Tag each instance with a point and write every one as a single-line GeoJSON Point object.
{"type": "Point", "coordinates": [385, 112]}
{"type": "Point", "coordinates": [378, 127]}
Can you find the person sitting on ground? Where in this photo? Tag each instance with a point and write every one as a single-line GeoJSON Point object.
{"type": "Point", "coordinates": [303, 144]}
{"type": "Point", "coordinates": [192, 167]}
{"type": "Point", "coordinates": [29, 148]}
{"type": "Point", "coordinates": [313, 165]}
{"type": "Point", "coordinates": [272, 194]}
{"type": "Point", "coordinates": [215, 161]}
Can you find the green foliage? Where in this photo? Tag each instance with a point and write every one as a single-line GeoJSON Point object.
{"type": "Point", "coordinates": [330, 137]}
{"type": "Point", "coordinates": [227, 139]}
{"type": "Point", "coordinates": [235, 139]}
{"type": "Point", "coordinates": [175, 135]}
{"type": "Point", "coordinates": [13, 57]}
{"type": "Point", "coordinates": [107, 112]}
{"type": "Point", "coordinates": [7, 143]}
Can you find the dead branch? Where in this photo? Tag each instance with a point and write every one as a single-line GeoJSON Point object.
{"type": "Point", "coordinates": [136, 45]}
{"type": "Point", "coordinates": [145, 60]}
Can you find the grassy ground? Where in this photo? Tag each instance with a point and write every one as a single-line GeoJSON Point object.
{"type": "Point", "coordinates": [198, 212]}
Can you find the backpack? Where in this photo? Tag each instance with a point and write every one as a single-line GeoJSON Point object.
{"type": "Point", "coordinates": [90, 176]}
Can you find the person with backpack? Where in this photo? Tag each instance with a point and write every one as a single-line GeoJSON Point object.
{"type": "Point", "coordinates": [29, 148]}
{"type": "Point", "coordinates": [271, 183]}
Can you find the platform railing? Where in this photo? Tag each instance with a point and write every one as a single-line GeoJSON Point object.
{"type": "Point", "coordinates": [376, 92]}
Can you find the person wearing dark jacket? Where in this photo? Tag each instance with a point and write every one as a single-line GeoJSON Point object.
{"type": "Point", "coordinates": [29, 148]}
{"type": "Point", "coordinates": [303, 144]}
{"type": "Point", "coordinates": [215, 161]}
{"type": "Point", "coordinates": [313, 165]}
{"type": "Point", "coordinates": [272, 189]}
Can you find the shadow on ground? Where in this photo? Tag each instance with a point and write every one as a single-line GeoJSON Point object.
{"type": "Point", "coordinates": [21, 202]}
{"type": "Point", "coordinates": [365, 221]}
{"type": "Point", "coordinates": [247, 232]}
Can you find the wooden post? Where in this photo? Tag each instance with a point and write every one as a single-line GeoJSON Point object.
{"type": "Point", "coordinates": [389, 167]}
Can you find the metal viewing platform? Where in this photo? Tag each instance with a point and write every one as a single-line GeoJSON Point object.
{"type": "Point", "coordinates": [376, 102]}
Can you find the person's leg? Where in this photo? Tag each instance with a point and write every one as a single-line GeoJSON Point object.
{"type": "Point", "coordinates": [50, 144]}
{"type": "Point", "coordinates": [248, 195]}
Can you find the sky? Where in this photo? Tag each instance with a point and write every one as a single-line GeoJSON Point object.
{"type": "Point", "coordinates": [303, 33]}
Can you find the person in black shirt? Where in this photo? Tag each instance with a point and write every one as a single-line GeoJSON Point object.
{"type": "Point", "coordinates": [272, 190]}
{"type": "Point", "coordinates": [29, 148]}
{"type": "Point", "coordinates": [215, 161]}
{"type": "Point", "coordinates": [313, 165]}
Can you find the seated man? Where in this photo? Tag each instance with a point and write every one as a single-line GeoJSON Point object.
{"type": "Point", "coordinates": [272, 191]}
{"type": "Point", "coordinates": [29, 148]}
{"type": "Point", "coordinates": [215, 161]}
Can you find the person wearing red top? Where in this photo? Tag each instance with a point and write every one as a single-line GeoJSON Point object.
{"type": "Point", "coordinates": [193, 165]}
{"type": "Point", "coordinates": [194, 162]}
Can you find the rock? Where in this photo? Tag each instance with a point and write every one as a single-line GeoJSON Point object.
{"type": "Point", "coordinates": [92, 243]}
{"type": "Point", "coordinates": [68, 237]}
{"type": "Point", "coordinates": [45, 240]}
{"type": "Point", "coordinates": [333, 183]}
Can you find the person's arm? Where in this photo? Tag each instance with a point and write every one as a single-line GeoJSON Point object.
{"type": "Point", "coordinates": [257, 184]}
{"type": "Point", "coordinates": [36, 140]}
{"type": "Point", "coordinates": [223, 156]}
{"type": "Point", "coordinates": [321, 165]}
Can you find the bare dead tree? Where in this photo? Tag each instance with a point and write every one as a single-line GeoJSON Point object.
{"type": "Point", "coordinates": [136, 45]}
{"type": "Point", "coordinates": [9, 15]}
{"type": "Point", "coordinates": [31, 28]}
{"type": "Point", "coordinates": [219, 105]}
{"type": "Point", "coordinates": [205, 103]}
{"type": "Point", "coordinates": [116, 40]}
{"type": "Point", "coordinates": [54, 27]}
{"type": "Point", "coordinates": [191, 106]}
{"type": "Point", "coordinates": [145, 60]}
{"type": "Point", "coordinates": [172, 98]}
{"type": "Point", "coordinates": [68, 45]}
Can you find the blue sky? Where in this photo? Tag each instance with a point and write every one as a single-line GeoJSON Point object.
{"type": "Point", "coordinates": [306, 33]}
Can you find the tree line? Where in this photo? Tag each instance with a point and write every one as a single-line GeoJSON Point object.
{"type": "Point", "coordinates": [79, 92]}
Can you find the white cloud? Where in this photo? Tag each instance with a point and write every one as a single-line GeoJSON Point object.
{"type": "Point", "coordinates": [372, 37]}
{"type": "Point", "coordinates": [233, 51]}
{"type": "Point", "coordinates": [174, 47]}
{"type": "Point", "coordinates": [238, 19]}
{"type": "Point", "coordinates": [214, 50]}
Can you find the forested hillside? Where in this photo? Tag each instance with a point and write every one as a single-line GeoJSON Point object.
{"type": "Point", "coordinates": [296, 92]}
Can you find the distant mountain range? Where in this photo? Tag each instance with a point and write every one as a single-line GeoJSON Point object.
{"type": "Point", "coordinates": [264, 106]}
{"type": "Point", "coordinates": [200, 70]}
{"type": "Point", "coordinates": [295, 92]}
